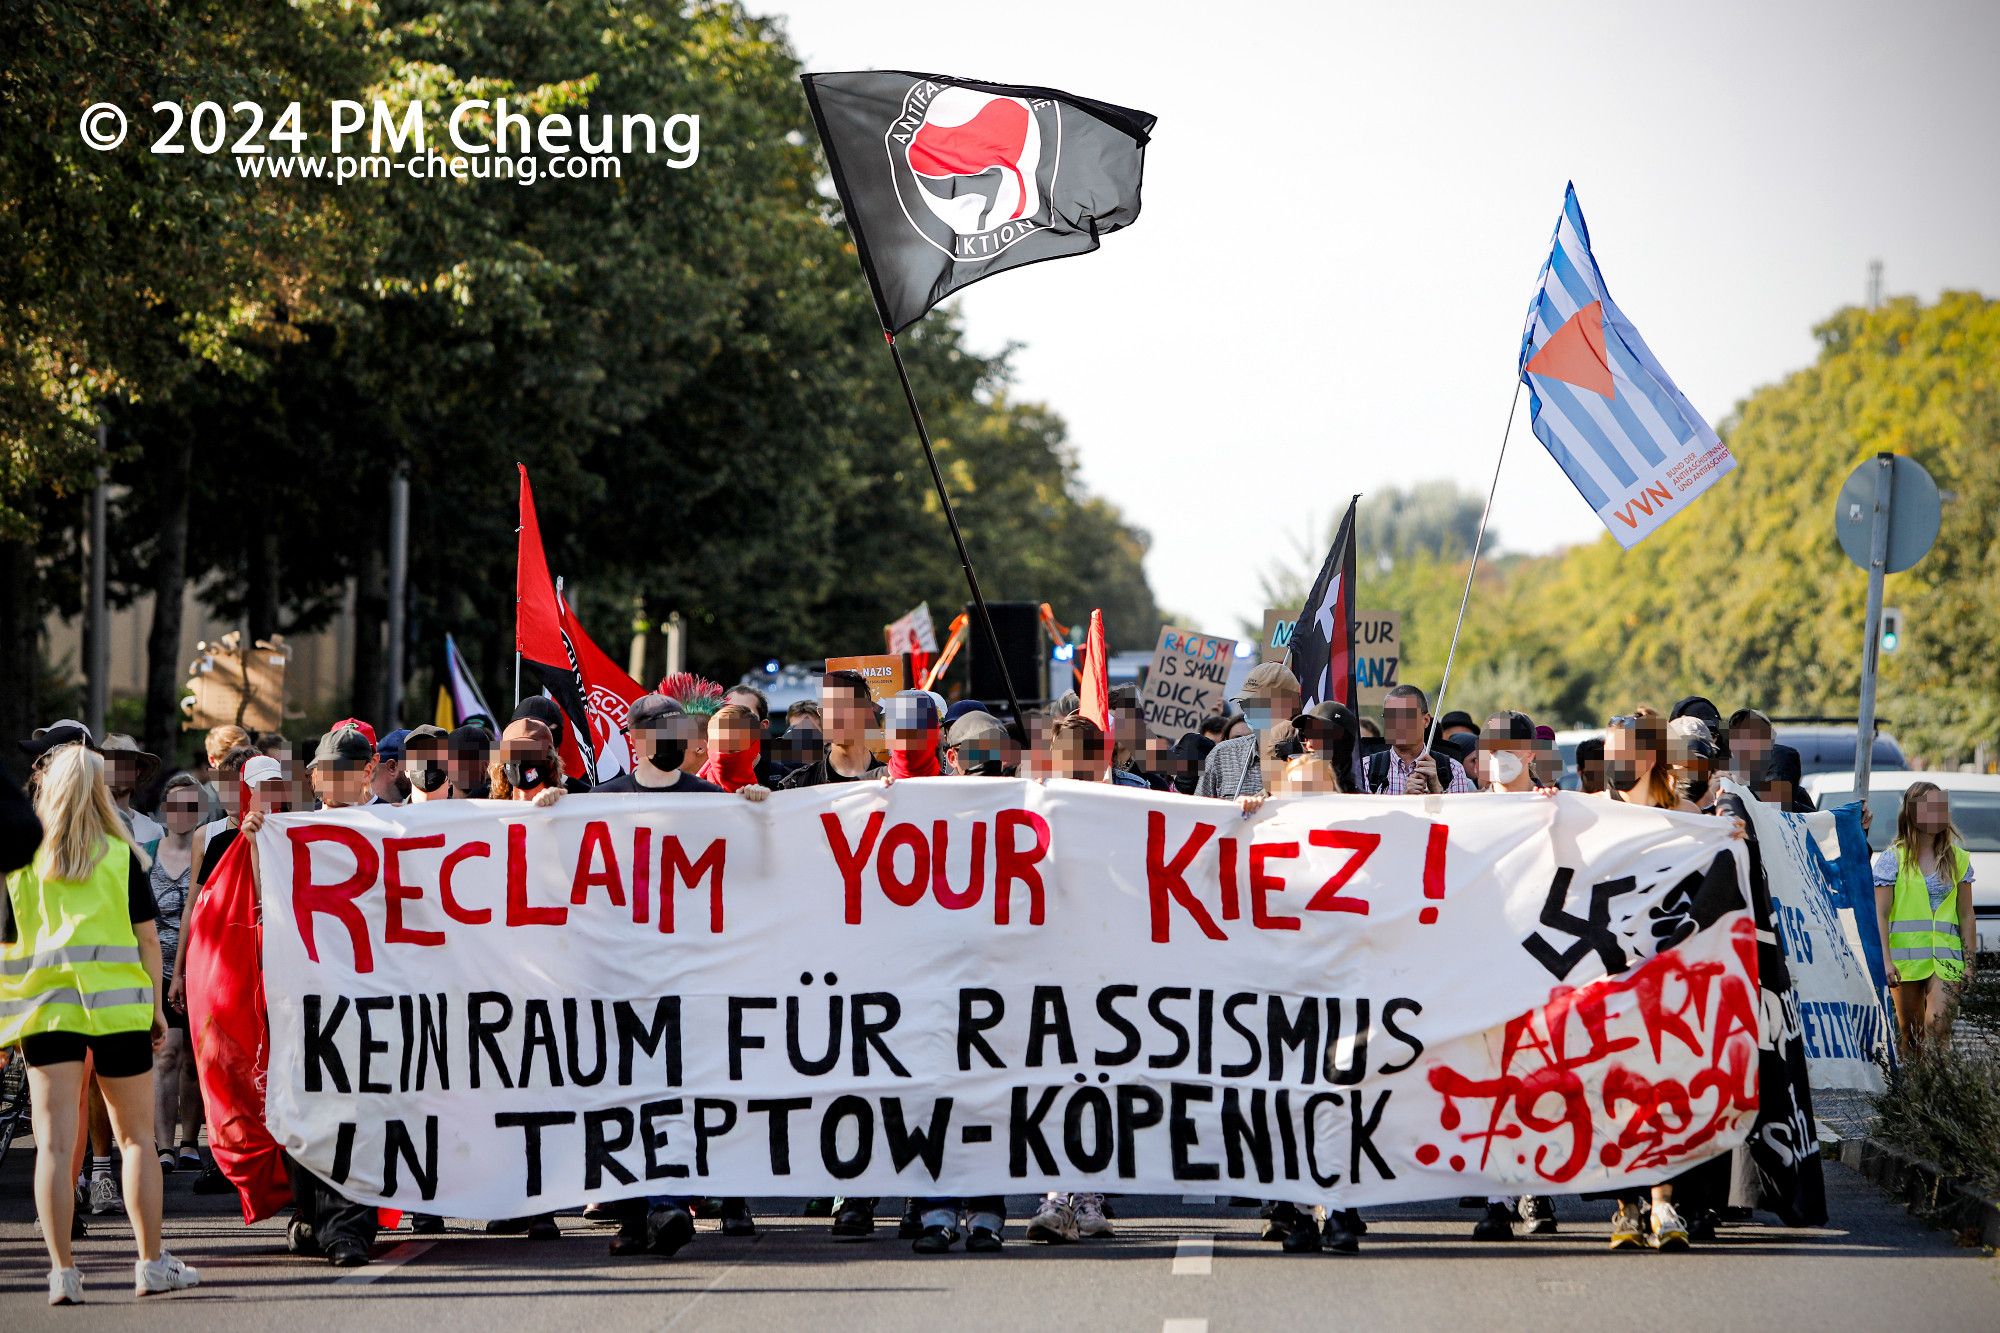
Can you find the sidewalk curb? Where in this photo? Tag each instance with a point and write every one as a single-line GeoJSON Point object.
{"type": "Point", "coordinates": [1924, 1189]}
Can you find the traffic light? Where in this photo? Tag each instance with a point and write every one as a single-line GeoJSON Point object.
{"type": "Point", "coordinates": [1892, 628]}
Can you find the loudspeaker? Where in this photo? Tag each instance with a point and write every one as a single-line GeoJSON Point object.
{"type": "Point", "coordinates": [1018, 626]}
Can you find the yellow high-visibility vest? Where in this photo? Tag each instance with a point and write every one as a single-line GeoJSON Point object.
{"type": "Point", "coordinates": [1922, 942]}
{"type": "Point", "coordinates": [74, 965]}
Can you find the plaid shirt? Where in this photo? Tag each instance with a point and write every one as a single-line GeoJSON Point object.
{"type": "Point", "coordinates": [1398, 782]}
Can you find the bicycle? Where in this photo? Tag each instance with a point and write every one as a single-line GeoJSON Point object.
{"type": "Point", "coordinates": [14, 1104]}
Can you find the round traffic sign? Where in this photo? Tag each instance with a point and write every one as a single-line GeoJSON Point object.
{"type": "Point", "coordinates": [1913, 512]}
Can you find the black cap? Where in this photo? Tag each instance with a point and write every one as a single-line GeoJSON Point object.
{"type": "Point", "coordinates": [470, 739]}
{"type": "Point", "coordinates": [1324, 715]}
{"type": "Point", "coordinates": [1456, 718]}
{"type": "Point", "coordinates": [65, 732]}
{"type": "Point", "coordinates": [650, 710]}
{"type": "Point", "coordinates": [544, 710]}
{"type": "Point", "coordinates": [1696, 706]}
{"type": "Point", "coordinates": [1520, 727]}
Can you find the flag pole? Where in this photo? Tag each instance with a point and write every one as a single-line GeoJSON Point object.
{"type": "Point", "coordinates": [1478, 539]}
{"type": "Point", "coordinates": [957, 537]}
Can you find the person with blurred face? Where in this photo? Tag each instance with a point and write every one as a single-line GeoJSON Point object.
{"type": "Point", "coordinates": [735, 748]}
{"type": "Point", "coordinates": [910, 730]}
{"type": "Point", "coordinates": [978, 746]}
{"type": "Point", "coordinates": [1923, 903]}
{"type": "Point", "coordinates": [1329, 730]}
{"type": "Point", "coordinates": [343, 769]}
{"type": "Point", "coordinates": [427, 764]}
{"type": "Point", "coordinates": [1128, 742]}
{"type": "Point", "coordinates": [1235, 768]}
{"type": "Point", "coordinates": [468, 761]}
{"type": "Point", "coordinates": [848, 711]}
{"type": "Point", "coordinates": [1590, 766]}
{"type": "Point", "coordinates": [1407, 768]}
{"type": "Point", "coordinates": [390, 785]}
{"type": "Point", "coordinates": [525, 767]}
{"type": "Point", "coordinates": [127, 768]}
{"type": "Point", "coordinates": [175, 1100]}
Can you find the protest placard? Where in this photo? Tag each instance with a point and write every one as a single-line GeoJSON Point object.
{"type": "Point", "coordinates": [1277, 636]}
{"type": "Point", "coordinates": [912, 632]}
{"type": "Point", "coordinates": [1378, 654]}
{"type": "Point", "coordinates": [490, 1010]}
{"type": "Point", "coordinates": [1188, 681]}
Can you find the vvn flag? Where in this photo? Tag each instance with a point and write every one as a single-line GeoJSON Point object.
{"type": "Point", "coordinates": [1600, 402]}
{"type": "Point", "coordinates": [1322, 648]}
{"type": "Point", "coordinates": [946, 181]}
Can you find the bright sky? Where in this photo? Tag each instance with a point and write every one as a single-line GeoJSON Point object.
{"type": "Point", "coordinates": [1346, 207]}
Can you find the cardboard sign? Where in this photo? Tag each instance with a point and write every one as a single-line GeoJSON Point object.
{"type": "Point", "coordinates": [1277, 639]}
{"type": "Point", "coordinates": [1188, 680]}
{"type": "Point", "coordinates": [487, 1010]}
{"type": "Point", "coordinates": [1378, 654]}
{"type": "Point", "coordinates": [913, 632]}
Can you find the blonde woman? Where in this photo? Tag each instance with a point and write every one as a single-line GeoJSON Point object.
{"type": "Point", "coordinates": [1923, 899]}
{"type": "Point", "coordinates": [80, 974]}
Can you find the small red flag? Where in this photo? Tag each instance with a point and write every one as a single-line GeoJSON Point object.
{"type": "Point", "coordinates": [1096, 676]}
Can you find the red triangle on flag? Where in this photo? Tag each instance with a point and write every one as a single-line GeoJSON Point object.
{"type": "Point", "coordinates": [1574, 353]}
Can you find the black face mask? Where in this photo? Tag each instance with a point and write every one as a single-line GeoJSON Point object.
{"type": "Point", "coordinates": [1693, 789]}
{"type": "Point", "coordinates": [481, 789]}
{"type": "Point", "coordinates": [1622, 774]}
{"type": "Point", "coordinates": [428, 777]}
{"type": "Point", "coordinates": [667, 755]}
{"type": "Point", "coordinates": [986, 768]}
{"type": "Point", "coordinates": [527, 774]}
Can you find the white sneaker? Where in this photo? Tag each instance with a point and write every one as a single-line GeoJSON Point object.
{"type": "Point", "coordinates": [1090, 1218]}
{"type": "Point", "coordinates": [150, 1277]}
{"type": "Point", "coordinates": [1054, 1223]}
{"type": "Point", "coordinates": [1669, 1232]}
{"type": "Point", "coordinates": [65, 1286]}
{"type": "Point", "coordinates": [104, 1196]}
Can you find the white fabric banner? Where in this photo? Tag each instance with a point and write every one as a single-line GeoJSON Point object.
{"type": "Point", "coordinates": [966, 985]}
{"type": "Point", "coordinates": [1842, 1020]}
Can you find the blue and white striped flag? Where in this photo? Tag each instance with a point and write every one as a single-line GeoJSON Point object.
{"type": "Point", "coordinates": [1601, 404]}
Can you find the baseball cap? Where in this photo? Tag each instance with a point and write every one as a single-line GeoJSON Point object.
{"type": "Point", "coordinates": [960, 709]}
{"type": "Point", "coordinates": [66, 732]}
{"type": "Point", "coordinates": [650, 710]}
{"type": "Point", "coordinates": [358, 725]}
{"type": "Point", "coordinates": [427, 736]}
{"type": "Point", "coordinates": [343, 745]}
{"type": "Point", "coordinates": [262, 769]}
{"type": "Point", "coordinates": [1323, 716]}
{"type": "Point", "coordinates": [390, 747]}
{"type": "Point", "coordinates": [976, 726]}
{"type": "Point", "coordinates": [1269, 678]}
{"type": "Point", "coordinates": [1518, 727]}
{"type": "Point", "coordinates": [470, 739]}
{"type": "Point", "coordinates": [911, 710]}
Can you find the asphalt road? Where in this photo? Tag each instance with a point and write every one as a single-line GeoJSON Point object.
{"type": "Point", "coordinates": [1176, 1266]}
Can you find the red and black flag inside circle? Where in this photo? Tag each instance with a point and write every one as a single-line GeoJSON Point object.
{"type": "Point", "coordinates": [946, 181]}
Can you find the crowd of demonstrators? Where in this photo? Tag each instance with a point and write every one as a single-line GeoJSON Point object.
{"type": "Point", "coordinates": [132, 877]}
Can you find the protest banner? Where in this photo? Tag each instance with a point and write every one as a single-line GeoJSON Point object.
{"type": "Point", "coordinates": [1378, 654]}
{"type": "Point", "coordinates": [964, 986]}
{"type": "Point", "coordinates": [1843, 1011]}
{"type": "Point", "coordinates": [1187, 681]}
{"type": "Point", "coordinates": [912, 632]}
{"type": "Point", "coordinates": [1276, 640]}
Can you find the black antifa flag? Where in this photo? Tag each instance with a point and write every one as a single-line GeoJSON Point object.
{"type": "Point", "coordinates": [1322, 646]}
{"type": "Point", "coordinates": [946, 181]}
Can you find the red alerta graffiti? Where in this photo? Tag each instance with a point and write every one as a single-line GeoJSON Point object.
{"type": "Point", "coordinates": [1567, 1092]}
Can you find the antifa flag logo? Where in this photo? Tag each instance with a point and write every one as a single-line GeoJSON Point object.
{"type": "Point", "coordinates": [974, 171]}
{"type": "Point", "coordinates": [607, 710]}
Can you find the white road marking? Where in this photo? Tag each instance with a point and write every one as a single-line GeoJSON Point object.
{"type": "Point", "coordinates": [394, 1259]}
{"type": "Point", "coordinates": [1185, 1326]}
{"type": "Point", "coordinates": [1193, 1257]}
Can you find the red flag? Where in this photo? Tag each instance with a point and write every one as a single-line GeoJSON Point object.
{"type": "Point", "coordinates": [607, 697]}
{"type": "Point", "coordinates": [1096, 677]}
{"type": "Point", "coordinates": [538, 636]}
{"type": "Point", "coordinates": [231, 1032]}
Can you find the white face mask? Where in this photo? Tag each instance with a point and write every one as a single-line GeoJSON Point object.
{"type": "Point", "coordinates": [1504, 766]}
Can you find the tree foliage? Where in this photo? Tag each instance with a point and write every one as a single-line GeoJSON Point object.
{"type": "Point", "coordinates": [686, 360]}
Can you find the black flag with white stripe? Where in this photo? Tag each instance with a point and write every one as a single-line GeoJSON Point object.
{"type": "Point", "coordinates": [1322, 648]}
